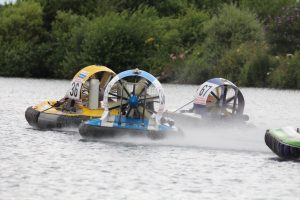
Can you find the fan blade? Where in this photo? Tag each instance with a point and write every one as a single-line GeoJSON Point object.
{"type": "Point", "coordinates": [142, 85]}
{"type": "Point", "coordinates": [235, 102]}
{"type": "Point", "coordinates": [149, 98]}
{"type": "Point", "coordinates": [230, 99]}
{"type": "Point", "coordinates": [117, 104]}
{"type": "Point", "coordinates": [134, 113]}
{"type": "Point", "coordinates": [126, 90]}
{"type": "Point", "coordinates": [214, 95]}
{"type": "Point", "coordinates": [118, 96]}
{"type": "Point", "coordinates": [134, 85]}
{"type": "Point", "coordinates": [129, 112]}
{"type": "Point", "coordinates": [224, 95]}
{"type": "Point", "coordinates": [230, 108]}
{"type": "Point", "coordinates": [122, 85]}
{"type": "Point", "coordinates": [147, 114]}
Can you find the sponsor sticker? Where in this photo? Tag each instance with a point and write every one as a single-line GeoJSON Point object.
{"type": "Point", "coordinates": [83, 74]}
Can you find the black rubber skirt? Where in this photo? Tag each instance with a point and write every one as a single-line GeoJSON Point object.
{"type": "Point", "coordinates": [89, 131]}
{"type": "Point", "coordinates": [50, 121]}
{"type": "Point", "coordinates": [283, 150]}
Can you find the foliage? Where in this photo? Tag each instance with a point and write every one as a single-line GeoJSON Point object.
{"type": "Point", "coordinates": [266, 8]}
{"type": "Point", "coordinates": [164, 8]}
{"type": "Point", "coordinates": [229, 29]}
{"type": "Point", "coordinates": [193, 70]}
{"type": "Point", "coordinates": [284, 30]}
{"type": "Point", "coordinates": [190, 27]}
{"type": "Point", "coordinates": [213, 6]}
{"type": "Point", "coordinates": [224, 35]}
{"type": "Point", "coordinates": [287, 74]}
{"type": "Point", "coordinates": [21, 37]}
{"type": "Point", "coordinates": [248, 65]}
{"type": "Point", "coordinates": [186, 41]}
{"type": "Point", "coordinates": [116, 40]}
{"type": "Point", "coordinates": [67, 36]}
{"type": "Point", "coordinates": [182, 38]}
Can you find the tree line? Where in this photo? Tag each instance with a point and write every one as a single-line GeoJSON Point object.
{"type": "Point", "coordinates": [252, 43]}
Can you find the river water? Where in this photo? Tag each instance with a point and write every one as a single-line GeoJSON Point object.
{"type": "Point", "coordinates": [205, 164]}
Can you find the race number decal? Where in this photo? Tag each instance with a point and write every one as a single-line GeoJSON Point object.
{"type": "Point", "coordinates": [74, 92]}
{"type": "Point", "coordinates": [203, 91]}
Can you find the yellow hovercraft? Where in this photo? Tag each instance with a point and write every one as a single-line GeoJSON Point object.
{"type": "Point", "coordinates": [82, 101]}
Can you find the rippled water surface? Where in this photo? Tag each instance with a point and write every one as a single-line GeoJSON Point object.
{"type": "Point", "coordinates": [205, 164]}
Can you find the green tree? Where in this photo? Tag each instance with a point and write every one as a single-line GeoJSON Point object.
{"type": "Point", "coordinates": [67, 35]}
{"type": "Point", "coordinates": [22, 49]}
{"type": "Point", "coordinates": [224, 33]}
{"type": "Point", "coordinates": [287, 74]}
{"type": "Point", "coordinates": [229, 29]}
{"type": "Point", "coordinates": [213, 6]}
{"type": "Point", "coordinates": [266, 8]}
{"type": "Point", "coordinates": [283, 31]}
{"type": "Point", "coordinates": [164, 8]}
{"type": "Point", "coordinates": [116, 40]}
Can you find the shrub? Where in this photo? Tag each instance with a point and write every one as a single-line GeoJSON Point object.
{"type": "Point", "coordinates": [116, 40]}
{"type": "Point", "coordinates": [193, 69]}
{"type": "Point", "coordinates": [22, 50]}
{"type": "Point", "coordinates": [248, 65]}
{"type": "Point", "coordinates": [283, 30]}
{"type": "Point", "coordinates": [287, 74]}
{"type": "Point", "coordinates": [212, 6]}
{"type": "Point", "coordinates": [225, 34]}
{"type": "Point", "coordinates": [181, 37]}
{"type": "Point", "coordinates": [229, 29]}
{"type": "Point", "coordinates": [164, 8]}
{"type": "Point", "coordinates": [258, 70]}
{"type": "Point", "coordinates": [191, 27]}
{"type": "Point", "coordinates": [265, 9]}
{"type": "Point", "coordinates": [67, 36]}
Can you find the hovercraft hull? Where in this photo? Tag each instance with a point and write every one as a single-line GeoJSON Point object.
{"type": "Point", "coordinates": [95, 128]}
{"type": "Point", "coordinates": [88, 131]}
{"type": "Point", "coordinates": [49, 120]}
{"type": "Point", "coordinates": [284, 142]}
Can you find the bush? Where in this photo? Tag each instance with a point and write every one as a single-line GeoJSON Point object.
{"type": "Point", "coordinates": [258, 70]}
{"type": "Point", "coordinates": [22, 50]}
{"type": "Point", "coordinates": [283, 30]}
{"type": "Point", "coordinates": [248, 65]}
{"type": "Point", "coordinates": [225, 33]}
{"type": "Point", "coordinates": [287, 74]}
{"type": "Point", "coordinates": [265, 9]}
{"type": "Point", "coordinates": [213, 6]}
{"type": "Point", "coordinates": [193, 71]}
{"type": "Point", "coordinates": [223, 53]}
{"type": "Point", "coordinates": [186, 41]}
{"type": "Point", "coordinates": [67, 36]}
{"type": "Point", "coordinates": [191, 28]}
{"type": "Point", "coordinates": [87, 8]}
{"type": "Point", "coordinates": [193, 68]}
{"type": "Point", "coordinates": [164, 8]}
{"type": "Point", "coordinates": [171, 7]}
{"type": "Point", "coordinates": [181, 37]}
{"type": "Point", "coordinates": [229, 29]}
{"type": "Point", "coordinates": [116, 40]}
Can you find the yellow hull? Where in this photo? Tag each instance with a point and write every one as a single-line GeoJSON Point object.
{"type": "Point", "coordinates": [46, 116]}
{"type": "Point", "coordinates": [47, 107]}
